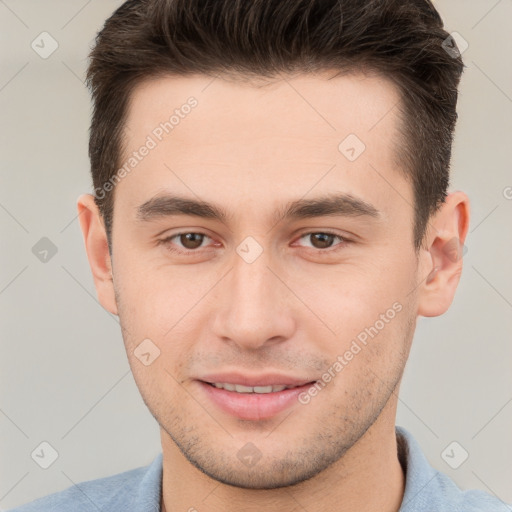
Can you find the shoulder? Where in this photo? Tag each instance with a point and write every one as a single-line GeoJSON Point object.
{"type": "Point", "coordinates": [429, 490]}
{"type": "Point", "coordinates": [127, 489]}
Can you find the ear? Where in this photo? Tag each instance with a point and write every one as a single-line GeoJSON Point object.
{"type": "Point", "coordinates": [441, 258]}
{"type": "Point", "coordinates": [96, 245]}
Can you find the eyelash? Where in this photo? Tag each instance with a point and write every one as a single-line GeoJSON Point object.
{"type": "Point", "coordinates": [188, 252]}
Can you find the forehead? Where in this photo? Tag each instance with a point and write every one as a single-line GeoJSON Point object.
{"type": "Point", "coordinates": [319, 105]}
{"type": "Point", "coordinates": [262, 140]}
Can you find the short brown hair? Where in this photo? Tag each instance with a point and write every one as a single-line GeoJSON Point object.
{"type": "Point", "coordinates": [403, 40]}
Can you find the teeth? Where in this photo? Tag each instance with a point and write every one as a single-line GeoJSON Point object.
{"type": "Point", "coordinates": [243, 389]}
{"type": "Point", "coordinates": [239, 388]}
{"type": "Point", "coordinates": [265, 389]}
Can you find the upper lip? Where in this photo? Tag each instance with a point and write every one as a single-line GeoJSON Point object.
{"type": "Point", "coordinates": [267, 379]}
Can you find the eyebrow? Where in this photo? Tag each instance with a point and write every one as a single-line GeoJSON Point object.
{"type": "Point", "coordinates": [343, 205]}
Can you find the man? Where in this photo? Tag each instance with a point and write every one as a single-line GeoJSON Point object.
{"type": "Point", "coordinates": [270, 217]}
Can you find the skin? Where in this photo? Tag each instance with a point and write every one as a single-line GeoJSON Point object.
{"type": "Point", "coordinates": [250, 149]}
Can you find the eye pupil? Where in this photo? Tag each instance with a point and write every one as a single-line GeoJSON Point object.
{"type": "Point", "coordinates": [191, 240]}
{"type": "Point", "coordinates": [325, 240]}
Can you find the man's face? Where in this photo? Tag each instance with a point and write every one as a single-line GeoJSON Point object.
{"type": "Point", "coordinates": [257, 297]}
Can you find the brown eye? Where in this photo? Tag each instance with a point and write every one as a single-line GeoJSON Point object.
{"type": "Point", "coordinates": [191, 241]}
{"type": "Point", "coordinates": [323, 240]}
{"type": "Point", "coordinates": [185, 243]}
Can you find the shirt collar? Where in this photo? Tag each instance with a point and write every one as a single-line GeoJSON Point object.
{"type": "Point", "coordinates": [420, 476]}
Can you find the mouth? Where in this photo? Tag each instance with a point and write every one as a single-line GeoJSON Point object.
{"type": "Point", "coordinates": [240, 388]}
{"type": "Point", "coordinates": [260, 401]}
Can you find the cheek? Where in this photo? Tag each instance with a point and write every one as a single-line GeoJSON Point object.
{"type": "Point", "coordinates": [369, 365]}
{"type": "Point", "coordinates": [358, 302]}
{"type": "Point", "coordinates": [152, 301]}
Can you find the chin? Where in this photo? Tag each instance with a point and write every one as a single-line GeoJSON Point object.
{"type": "Point", "coordinates": [261, 479]}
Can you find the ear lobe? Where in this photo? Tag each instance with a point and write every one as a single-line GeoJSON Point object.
{"type": "Point", "coordinates": [96, 245]}
{"type": "Point", "coordinates": [445, 250]}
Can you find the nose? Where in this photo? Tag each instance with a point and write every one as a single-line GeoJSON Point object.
{"type": "Point", "coordinates": [255, 307]}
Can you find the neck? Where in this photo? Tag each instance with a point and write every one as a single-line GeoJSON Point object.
{"type": "Point", "coordinates": [368, 477]}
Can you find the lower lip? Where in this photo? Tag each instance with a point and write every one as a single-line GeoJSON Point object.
{"type": "Point", "coordinates": [253, 406]}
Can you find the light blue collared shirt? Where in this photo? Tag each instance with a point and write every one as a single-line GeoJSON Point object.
{"type": "Point", "coordinates": [138, 490]}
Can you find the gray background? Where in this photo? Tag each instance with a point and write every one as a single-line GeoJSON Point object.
{"type": "Point", "coordinates": [64, 374]}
